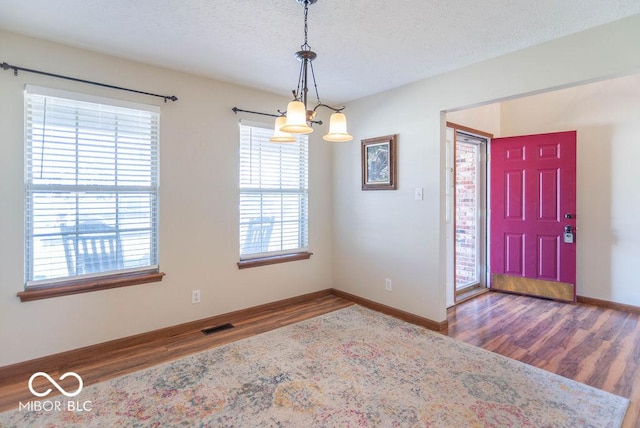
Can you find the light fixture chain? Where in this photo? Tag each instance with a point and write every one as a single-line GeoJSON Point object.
{"type": "Point", "coordinates": [306, 26]}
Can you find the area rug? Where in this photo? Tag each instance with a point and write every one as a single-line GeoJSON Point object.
{"type": "Point", "coordinates": [349, 368]}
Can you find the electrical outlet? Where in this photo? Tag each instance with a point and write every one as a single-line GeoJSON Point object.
{"type": "Point", "coordinates": [387, 284]}
{"type": "Point", "coordinates": [195, 296]}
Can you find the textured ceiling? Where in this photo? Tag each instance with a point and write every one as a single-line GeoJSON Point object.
{"type": "Point", "coordinates": [363, 47]}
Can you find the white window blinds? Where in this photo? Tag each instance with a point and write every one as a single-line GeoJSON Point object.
{"type": "Point", "coordinates": [273, 194]}
{"type": "Point", "coordinates": [91, 187]}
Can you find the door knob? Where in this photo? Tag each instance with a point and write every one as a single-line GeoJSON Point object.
{"type": "Point", "coordinates": [569, 216]}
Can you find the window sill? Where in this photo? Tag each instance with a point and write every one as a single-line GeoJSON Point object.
{"type": "Point", "coordinates": [88, 285]}
{"type": "Point", "coordinates": [271, 260]}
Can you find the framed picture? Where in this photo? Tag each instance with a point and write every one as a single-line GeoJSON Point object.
{"type": "Point", "coordinates": [379, 163]}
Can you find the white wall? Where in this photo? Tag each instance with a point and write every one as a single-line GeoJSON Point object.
{"type": "Point", "coordinates": [607, 117]}
{"type": "Point", "coordinates": [389, 234]}
{"type": "Point", "coordinates": [198, 209]}
{"type": "Point", "coordinates": [485, 118]}
{"type": "Point", "coordinates": [376, 234]}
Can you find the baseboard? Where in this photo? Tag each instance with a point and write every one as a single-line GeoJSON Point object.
{"type": "Point", "coordinates": [12, 373]}
{"type": "Point", "coordinates": [609, 305]}
{"type": "Point", "coordinates": [398, 313]}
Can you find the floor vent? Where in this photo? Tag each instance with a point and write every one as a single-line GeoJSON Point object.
{"type": "Point", "coordinates": [211, 330]}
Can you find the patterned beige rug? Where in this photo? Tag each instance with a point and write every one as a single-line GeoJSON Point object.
{"type": "Point", "coordinates": [353, 367]}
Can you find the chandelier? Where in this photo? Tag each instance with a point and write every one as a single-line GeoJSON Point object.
{"type": "Point", "coordinates": [299, 116]}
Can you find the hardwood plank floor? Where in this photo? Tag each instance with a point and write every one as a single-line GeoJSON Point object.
{"type": "Point", "coordinates": [593, 345]}
{"type": "Point", "coordinates": [596, 346]}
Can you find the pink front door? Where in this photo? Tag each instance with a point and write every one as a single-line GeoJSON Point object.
{"type": "Point", "coordinates": [533, 206]}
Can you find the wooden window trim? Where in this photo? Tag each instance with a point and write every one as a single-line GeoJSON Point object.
{"type": "Point", "coordinates": [68, 288]}
{"type": "Point", "coordinates": [271, 260]}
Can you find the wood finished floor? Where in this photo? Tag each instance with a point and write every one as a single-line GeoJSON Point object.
{"type": "Point", "coordinates": [596, 346]}
{"type": "Point", "coordinates": [593, 345]}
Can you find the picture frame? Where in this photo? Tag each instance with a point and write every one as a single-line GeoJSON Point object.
{"type": "Point", "coordinates": [379, 163]}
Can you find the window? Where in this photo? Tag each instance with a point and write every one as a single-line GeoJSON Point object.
{"type": "Point", "coordinates": [91, 188]}
{"type": "Point", "coordinates": [273, 195]}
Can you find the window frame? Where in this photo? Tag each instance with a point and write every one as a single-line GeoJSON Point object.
{"type": "Point", "coordinates": [255, 259]}
{"type": "Point", "coordinates": [117, 277]}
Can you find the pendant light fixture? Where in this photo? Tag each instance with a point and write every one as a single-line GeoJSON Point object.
{"type": "Point", "coordinates": [278, 135]}
{"type": "Point", "coordinates": [299, 117]}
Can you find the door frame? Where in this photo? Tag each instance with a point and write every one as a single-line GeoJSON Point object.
{"type": "Point", "coordinates": [458, 297]}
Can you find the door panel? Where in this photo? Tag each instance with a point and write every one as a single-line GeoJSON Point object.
{"type": "Point", "coordinates": [514, 254]}
{"type": "Point", "coordinates": [515, 195]}
{"type": "Point", "coordinates": [533, 187]}
{"type": "Point", "coordinates": [548, 181]}
{"type": "Point", "coordinates": [548, 257]}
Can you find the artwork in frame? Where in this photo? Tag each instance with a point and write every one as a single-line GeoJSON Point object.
{"type": "Point", "coordinates": [379, 163]}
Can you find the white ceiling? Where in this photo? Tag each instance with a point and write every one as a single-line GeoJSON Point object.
{"type": "Point", "coordinates": [363, 46]}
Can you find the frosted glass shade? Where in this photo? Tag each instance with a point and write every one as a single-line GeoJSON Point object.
{"type": "Point", "coordinates": [338, 129]}
{"type": "Point", "coordinates": [296, 119]}
{"type": "Point", "coordinates": [278, 135]}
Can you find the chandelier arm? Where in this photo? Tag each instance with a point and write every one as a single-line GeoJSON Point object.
{"type": "Point", "coordinates": [305, 87]}
{"type": "Point", "coordinates": [315, 85]}
{"type": "Point", "coordinates": [284, 113]}
{"type": "Point", "coordinates": [336, 109]}
{"type": "Point", "coordinates": [237, 110]}
{"type": "Point", "coordinates": [302, 83]}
